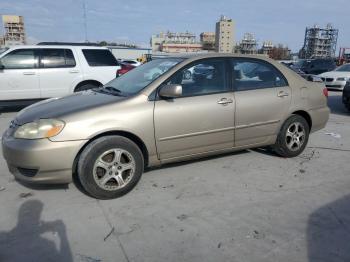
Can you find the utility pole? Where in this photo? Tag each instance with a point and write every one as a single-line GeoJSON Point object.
{"type": "Point", "coordinates": [85, 22]}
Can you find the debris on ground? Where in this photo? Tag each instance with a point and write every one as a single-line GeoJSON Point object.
{"type": "Point", "coordinates": [109, 234]}
{"type": "Point", "coordinates": [182, 217]}
{"type": "Point", "coordinates": [26, 195]}
{"type": "Point", "coordinates": [332, 134]}
{"type": "Point", "coordinates": [155, 185]}
{"type": "Point", "coordinates": [280, 186]}
{"type": "Point", "coordinates": [169, 186]}
{"type": "Point", "coordinates": [258, 235]}
{"type": "Point", "coordinates": [302, 171]}
{"type": "Point", "coordinates": [84, 258]}
{"type": "Point", "coordinates": [2, 188]}
{"type": "Point", "coordinates": [219, 245]}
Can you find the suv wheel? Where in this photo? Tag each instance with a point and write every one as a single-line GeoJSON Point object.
{"type": "Point", "coordinates": [293, 137]}
{"type": "Point", "coordinates": [110, 167]}
{"type": "Point", "coordinates": [85, 87]}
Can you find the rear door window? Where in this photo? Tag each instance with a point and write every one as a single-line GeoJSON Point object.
{"type": "Point", "coordinates": [251, 74]}
{"type": "Point", "coordinates": [99, 57]}
{"type": "Point", "coordinates": [56, 58]}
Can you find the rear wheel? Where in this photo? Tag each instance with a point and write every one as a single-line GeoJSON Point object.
{"type": "Point", "coordinates": [110, 167]}
{"type": "Point", "coordinates": [293, 137]}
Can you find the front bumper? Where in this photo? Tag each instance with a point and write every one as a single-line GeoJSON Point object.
{"type": "Point", "coordinates": [41, 160]}
{"type": "Point", "coordinates": [335, 85]}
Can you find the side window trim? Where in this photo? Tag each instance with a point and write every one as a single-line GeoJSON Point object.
{"type": "Point", "coordinates": [228, 86]}
{"type": "Point", "coordinates": [233, 81]}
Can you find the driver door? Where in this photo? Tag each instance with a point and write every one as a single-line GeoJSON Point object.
{"type": "Point", "coordinates": [20, 77]}
{"type": "Point", "coordinates": [202, 119]}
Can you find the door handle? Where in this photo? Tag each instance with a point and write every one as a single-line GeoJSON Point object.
{"type": "Point", "coordinates": [73, 71]}
{"type": "Point", "coordinates": [282, 94]}
{"type": "Point", "coordinates": [28, 73]}
{"type": "Point", "coordinates": [224, 101]}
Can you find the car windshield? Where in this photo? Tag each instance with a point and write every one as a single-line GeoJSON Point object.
{"type": "Point", "coordinates": [140, 77]}
{"type": "Point", "coordinates": [343, 68]}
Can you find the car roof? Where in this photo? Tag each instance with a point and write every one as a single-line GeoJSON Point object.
{"type": "Point", "coordinates": [57, 46]}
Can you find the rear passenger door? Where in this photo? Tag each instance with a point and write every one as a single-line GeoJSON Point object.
{"type": "Point", "coordinates": [59, 72]}
{"type": "Point", "coordinates": [262, 98]}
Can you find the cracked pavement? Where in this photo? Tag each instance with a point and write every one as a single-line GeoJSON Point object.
{"type": "Point", "coordinates": [243, 206]}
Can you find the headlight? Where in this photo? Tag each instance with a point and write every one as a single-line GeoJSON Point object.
{"type": "Point", "coordinates": [342, 79]}
{"type": "Point", "coordinates": [42, 128]}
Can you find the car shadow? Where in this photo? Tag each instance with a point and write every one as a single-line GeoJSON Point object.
{"type": "Point", "coordinates": [27, 240]}
{"type": "Point", "coordinates": [328, 232]}
{"type": "Point", "coordinates": [43, 186]}
{"type": "Point", "coordinates": [336, 105]}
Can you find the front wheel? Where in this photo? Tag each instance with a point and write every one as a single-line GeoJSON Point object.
{"type": "Point", "coordinates": [110, 167]}
{"type": "Point", "coordinates": [293, 137]}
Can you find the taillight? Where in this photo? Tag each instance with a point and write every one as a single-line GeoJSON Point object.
{"type": "Point", "coordinates": [325, 92]}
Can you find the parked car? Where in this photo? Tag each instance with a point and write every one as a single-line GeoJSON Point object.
{"type": "Point", "coordinates": [29, 73]}
{"type": "Point", "coordinates": [107, 136]}
{"type": "Point", "coordinates": [132, 62]}
{"type": "Point", "coordinates": [314, 66]}
{"type": "Point", "coordinates": [336, 80]}
{"type": "Point", "coordinates": [346, 95]}
{"type": "Point", "coordinates": [124, 69]}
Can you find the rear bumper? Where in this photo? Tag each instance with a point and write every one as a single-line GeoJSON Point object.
{"type": "Point", "coordinates": [319, 118]}
{"type": "Point", "coordinates": [41, 161]}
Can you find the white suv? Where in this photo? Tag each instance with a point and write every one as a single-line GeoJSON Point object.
{"type": "Point", "coordinates": [30, 73]}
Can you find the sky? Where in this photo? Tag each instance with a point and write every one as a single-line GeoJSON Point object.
{"type": "Point", "coordinates": [134, 21]}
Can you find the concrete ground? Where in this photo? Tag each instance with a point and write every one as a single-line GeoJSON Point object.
{"type": "Point", "coordinates": [245, 206]}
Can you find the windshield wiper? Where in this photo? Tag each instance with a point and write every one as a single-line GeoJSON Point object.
{"type": "Point", "coordinates": [110, 90]}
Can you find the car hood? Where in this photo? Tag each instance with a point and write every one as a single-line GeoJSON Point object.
{"type": "Point", "coordinates": [58, 107]}
{"type": "Point", "coordinates": [335, 74]}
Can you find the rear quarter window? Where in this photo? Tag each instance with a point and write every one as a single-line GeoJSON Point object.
{"type": "Point", "coordinates": [99, 57]}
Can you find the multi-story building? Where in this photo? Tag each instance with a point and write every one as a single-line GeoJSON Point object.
{"type": "Point", "coordinates": [207, 39]}
{"type": "Point", "coordinates": [170, 42]}
{"type": "Point", "coordinates": [224, 35]}
{"type": "Point", "coordinates": [266, 48]}
{"type": "Point", "coordinates": [248, 45]}
{"type": "Point", "coordinates": [14, 30]}
{"type": "Point", "coordinates": [319, 42]}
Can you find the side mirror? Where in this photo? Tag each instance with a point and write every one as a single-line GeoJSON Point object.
{"type": "Point", "coordinates": [170, 91]}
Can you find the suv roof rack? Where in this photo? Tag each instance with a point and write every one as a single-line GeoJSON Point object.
{"type": "Point", "coordinates": [68, 43]}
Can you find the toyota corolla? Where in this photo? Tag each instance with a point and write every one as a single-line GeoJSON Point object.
{"type": "Point", "coordinates": [109, 135]}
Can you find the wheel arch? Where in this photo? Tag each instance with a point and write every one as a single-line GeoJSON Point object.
{"type": "Point", "coordinates": [85, 82]}
{"type": "Point", "coordinates": [305, 115]}
{"type": "Point", "coordinates": [138, 141]}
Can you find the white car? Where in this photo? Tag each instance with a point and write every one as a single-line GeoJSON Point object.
{"type": "Point", "coordinates": [132, 62]}
{"type": "Point", "coordinates": [336, 80]}
{"type": "Point", "coordinates": [29, 73]}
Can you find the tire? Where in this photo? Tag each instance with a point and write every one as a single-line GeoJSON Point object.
{"type": "Point", "coordinates": [85, 87]}
{"type": "Point", "coordinates": [110, 167]}
{"type": "Point", "coordinates": [292, 143]}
